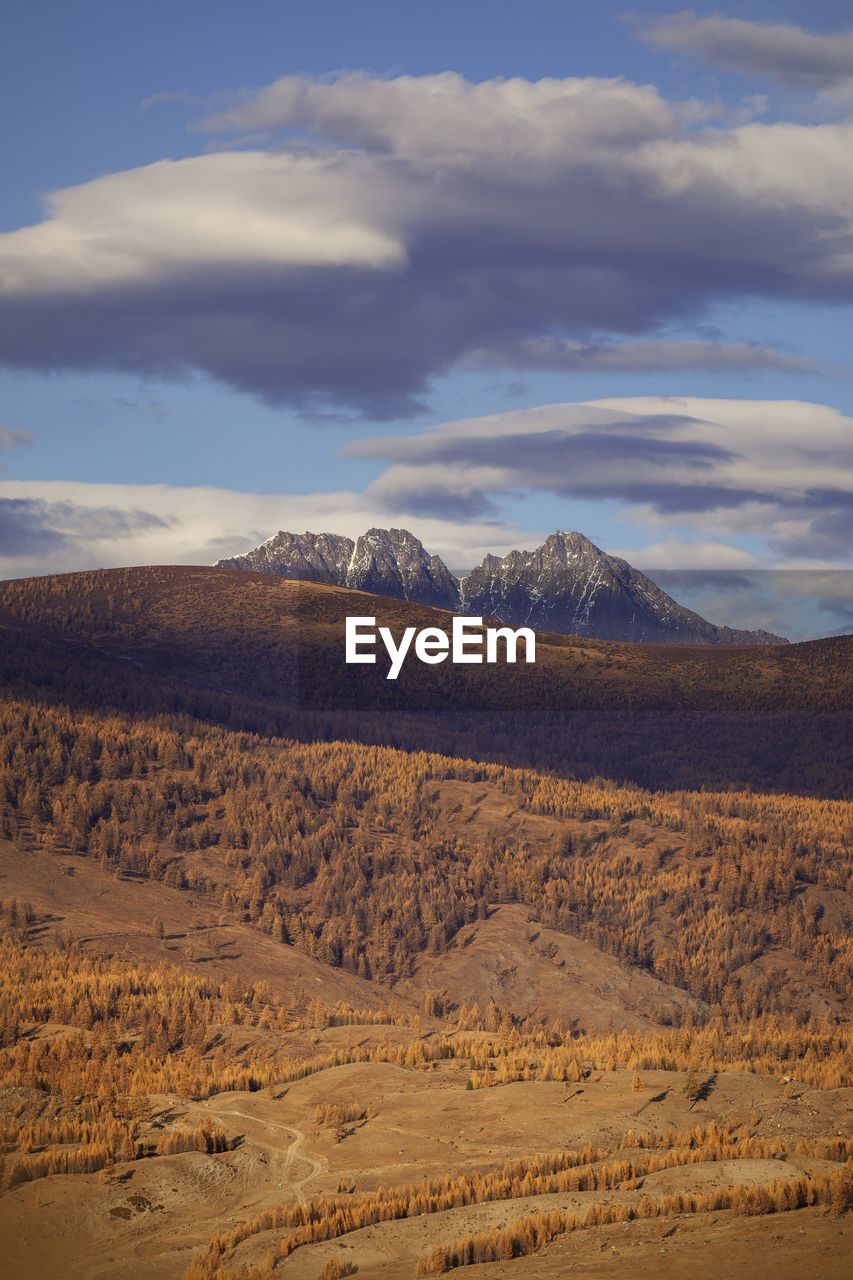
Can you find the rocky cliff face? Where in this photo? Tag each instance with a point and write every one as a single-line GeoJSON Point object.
{"type": "Point", "coordinates": [319, 557]}
{"type": "Point", "coordinates": [571, 586]}
{"type": "Point", "coordinates": [393, 562]}
{"type": "Point", "coordinates": [388, 562]}
{"type": "Point", "coordinates": [567, 585]}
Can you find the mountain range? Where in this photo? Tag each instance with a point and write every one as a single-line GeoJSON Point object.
{"type": "Point", "coordinates": [568, 585]}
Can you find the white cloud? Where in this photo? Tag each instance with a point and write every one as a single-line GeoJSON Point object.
{"type": "Point", "coordinates": [779, 471]}
{"type": "Point", "coordinates": [246, 209]}
{"type": "Point", "coordinates": [447, 122]}
{"type": "Point", "coordinates": [63, 526]}
{"type": "Point", "coordinates": [395, 228]}
{"type": "Point", "coordinates": [674, 553]}
{"type": "Point", "coordinates": [781, 446]}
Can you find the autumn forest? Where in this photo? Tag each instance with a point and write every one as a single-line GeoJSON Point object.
{"type": "Point", "coordinates": [304, 981]}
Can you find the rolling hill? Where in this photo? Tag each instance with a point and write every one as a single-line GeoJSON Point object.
{"type": "Point", "coordinates": [305, 969]}
{"type": "Point", "coordinates": [772, 717]}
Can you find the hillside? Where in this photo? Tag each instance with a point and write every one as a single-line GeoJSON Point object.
{"type": "Point", "coordinates": [299, 975]}
{"type": "Point", "coordinates": [775, 718]}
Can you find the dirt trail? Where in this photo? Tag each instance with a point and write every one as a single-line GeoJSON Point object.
{"type": "Point", "coordinates": [294, 1152]}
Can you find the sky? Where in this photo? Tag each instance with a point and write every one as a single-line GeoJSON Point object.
{"type": "Point", "coordinates": [481, 270]}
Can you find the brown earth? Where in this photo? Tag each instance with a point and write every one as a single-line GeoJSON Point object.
{"type": "Point", "coordinates": [252, 653]}
{"type": "Point", "coordinates": [113, 914]}
{"type": "Point", "coordinates": [146, 1219]}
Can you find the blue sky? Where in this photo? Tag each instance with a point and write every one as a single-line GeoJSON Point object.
{"type": "Point", "coordinates": [131, 395]}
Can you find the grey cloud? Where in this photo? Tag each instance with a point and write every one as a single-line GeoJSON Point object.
{"type": "Point", "coordinates": [31, 526]}
{"type": "Point", "coordinates": [24, 529]}
{"type": "Point", "coordinates": [781, 470]}
{"type": "Point", "coordinates": [233, 544]}
{"type": "Point", "coordinates": [833, 592]}
{"type": "Point", "coordinates": [437, 501]}
{"type": "Point", "coordinates": [562, 421]}
{"type": "Point", "coordinates": [609, 462]}
{"type": "Point", "coordinates": [678, 498]}
{"type": "Point", "coordinates": [830, 590]}
{"type": "Point", "coordinates": [105, 522]}
{"type": "Point", "coordinates": [795, 602]}
{"type": "Point", "coordinates": [647, 356]}
{"type": "Point", "coordinates": [549, 450]}
{"type": "Point", "coordinates": [453, 245]}
{"type": "Point", "coordinates": [830, 524]}
{"type": "Point", "coordinates": [673, 580]}
{"type": "Point", "coordinates": [842, 609]}
{"type": "Point", "coordinates": [781, 51]}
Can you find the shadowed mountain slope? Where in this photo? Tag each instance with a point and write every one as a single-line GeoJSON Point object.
{"type": "Point", "coordinates": [260, 651]}
{"type": "Point", "coordinates": [257, 967]}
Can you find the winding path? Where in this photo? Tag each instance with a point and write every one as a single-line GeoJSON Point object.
{"type": "Point", "coordinates": [294, 1151]}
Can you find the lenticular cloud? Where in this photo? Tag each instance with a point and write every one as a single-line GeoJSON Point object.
{"type": "Point", "coordinates": [390, 229]}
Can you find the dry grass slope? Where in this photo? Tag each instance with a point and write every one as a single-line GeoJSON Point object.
{"type": "Point", "coordinates": [292, 987]}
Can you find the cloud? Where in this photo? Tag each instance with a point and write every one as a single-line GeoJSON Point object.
{"type": "Point", "coordinates": [792, 602]}
{"type": "Point", "coordinates": [823, 527]}
{"type": "Point", "coordinates": [781, 470]}
{"type": "Point", "coordinates": [781, 51]}
{"type": "Point", "coordinates": [61, 526]}
{"type": "Point", "coordinates": [697, 563]}
{"type": "Point", "coordinates": [168, 98]}
{"type": "Point", "coordinates": [832, 589]}
{"type": "Point", "coordinates": [445, 122]}
{"type": "Point", "coordinates": [24, 530]}
{"type": "Point", "coordinates": [12, 436]}
{"type": "Point", "coordinates": [394, 228]}
{"type": "Point", "coordinates": [34, 527]}
{"type": "Point", "coordinates": [48, 527]}
{"type": "Point", "coordinates": [239, 209]}
{"type": "Point", "coordinates": [572, 355]}
{"type": "Point", "coordinates": [698, 482]}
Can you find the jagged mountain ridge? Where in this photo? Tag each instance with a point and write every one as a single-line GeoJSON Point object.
{"type": "Point", "coordinates": [568, 585]}
{"type": "Point", "coordinates": [393, 562]}
{"type": "Point", "coordinates": [317, 557]}
{"type": "Point", "coordinates": [387, 562]}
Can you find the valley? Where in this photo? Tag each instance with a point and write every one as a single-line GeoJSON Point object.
{"type": "Point", "coordinates": [287, 994]}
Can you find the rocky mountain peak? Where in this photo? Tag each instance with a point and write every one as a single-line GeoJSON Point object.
{"type": "Point", "coordinates": [570, 585]}
{"type": "Point", "coordinates": [393, 562]}
{"type": "Point", "coordinates": [570, 544]}
{"type": "Point", "coordinates": [567, 584]}
{"type": "Point", "coordinates": [319, 557]}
